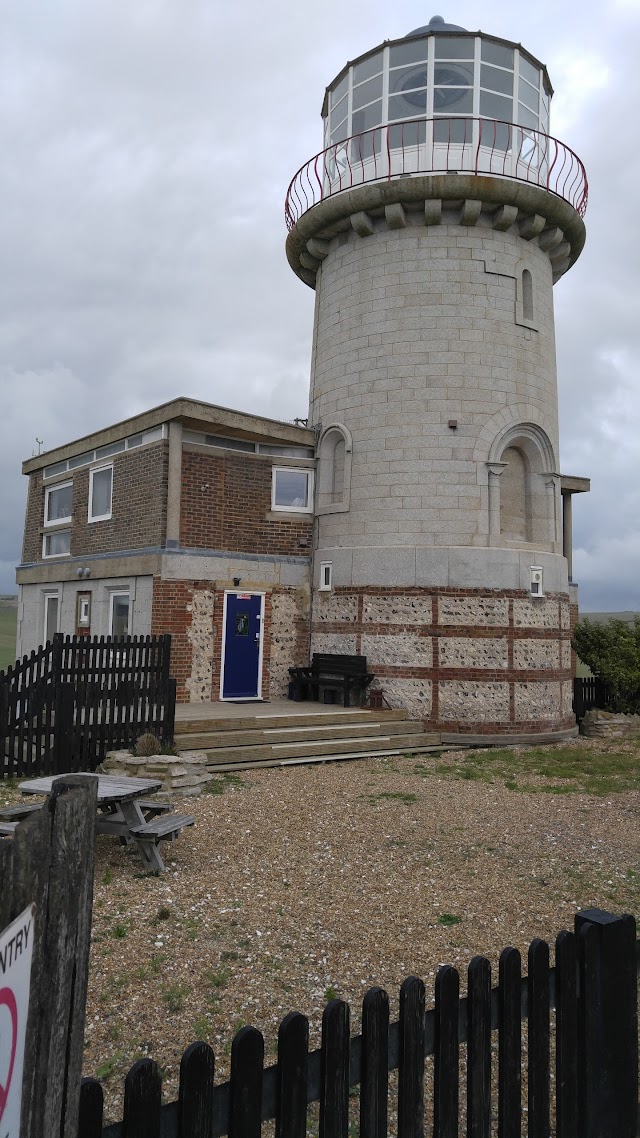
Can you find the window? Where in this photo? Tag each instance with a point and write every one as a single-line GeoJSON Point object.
{"type": "Point", "coordinates": [100, 488]}
{"type": "Point", "coordinates": [527, 295]}
{"type": "Point", "coordinates": [83, 610]}
{"type": "Point", "coordinates": [326, 574]}
{"type": "Point", "coordinates": [57, 504]}
{"type": "Point", "coordinates": [119, 614]}
{"type": "Point", "coordinates": [57, 544]}
{"type": "Point", "coordinates": [291, 489]}
{"type": "Point", "coordinates": [51, 616]}
{"type": "Point", "coordinates": [536, 585]}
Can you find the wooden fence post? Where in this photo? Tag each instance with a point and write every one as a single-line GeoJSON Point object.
{"type": "Point", "coordinates": [607, 1025]}
{"type": "Point", "coordinates": [50, 860]}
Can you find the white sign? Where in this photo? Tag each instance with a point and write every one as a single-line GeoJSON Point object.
{"type": "Point", "coordinates": [16, 945]}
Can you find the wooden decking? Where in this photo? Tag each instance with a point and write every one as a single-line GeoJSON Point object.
{"type": "Point", "coordinates": [238, 736]}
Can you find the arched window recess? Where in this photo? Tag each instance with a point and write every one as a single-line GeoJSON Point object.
{"type": "Point", "coordinates": [334, 469]}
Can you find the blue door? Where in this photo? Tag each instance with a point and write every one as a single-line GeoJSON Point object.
{"type": "Point", "coordinates": [242, 647]}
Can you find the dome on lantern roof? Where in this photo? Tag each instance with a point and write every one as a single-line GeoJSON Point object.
{"type": "Point", "coordinates": [436, 24]}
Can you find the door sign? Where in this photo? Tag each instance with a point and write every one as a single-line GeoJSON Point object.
{"type": "Point", "coordinates": [16, 947]}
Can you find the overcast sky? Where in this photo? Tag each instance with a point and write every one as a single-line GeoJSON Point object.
{"type": "Point", "coordinates": [146, 152]}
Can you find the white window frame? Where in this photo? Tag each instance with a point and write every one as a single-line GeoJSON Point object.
{"type": "Point", "coordinates": [51, 490]}
{"type": "Point", "coordinates": [326, 577]}
{"type": "Point", "coordinates": [91, 517]}
{"type": "Point", "coordinates": [50, 597]}
{"type": "Point", "coordinates": [308, 509]}
{"type": "Point", "coordinates": [533, 573]}
{"type": "Point", "coordinates": [112, 596]}
{"type": "Point", "coordinates": [54, 533]}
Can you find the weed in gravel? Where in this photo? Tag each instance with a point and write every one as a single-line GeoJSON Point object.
{"type": "Point", "coordinates": [108, 876]}
{"type": "Point", "coordinates": [173, 997]}
{"type": "Point", "coordinates": [393, 796]}
{"type": "Point", "coordinates": [201, 1027]}
{"type": "Point", "coordinates": [120, 931]}
{"type": "Point", "coordinates": [448, 919]}
{"type": "Point", "coordinates": [222, 782]}
{"type": "Point", "coordinates": [331, 993]}
{"type": "Point", "coordinates": [163, 913]}
{"type": "Point", "coordinates": [106, 1069]}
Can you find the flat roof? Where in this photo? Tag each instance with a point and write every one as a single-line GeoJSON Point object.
{"type": "Point", "coordinates": [194, 415]}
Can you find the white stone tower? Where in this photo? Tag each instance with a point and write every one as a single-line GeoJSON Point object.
{"type": "Point", "coordinates": [433, 227]}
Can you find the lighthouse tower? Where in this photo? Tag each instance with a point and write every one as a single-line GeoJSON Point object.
{"type": "Point", "coordinates": [432, 227]}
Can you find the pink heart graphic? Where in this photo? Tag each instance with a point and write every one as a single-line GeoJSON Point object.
{"type": "Point", "coordinates": [8, 999]}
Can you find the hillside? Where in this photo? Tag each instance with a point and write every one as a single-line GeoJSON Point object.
{"type": "Point", "coordinates": [8, 619]}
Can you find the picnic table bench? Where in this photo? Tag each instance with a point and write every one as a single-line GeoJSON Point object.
{"type": "Point", "coordinates": [330, 673]}
{"type": "Point", "coordinates": [120, 812]}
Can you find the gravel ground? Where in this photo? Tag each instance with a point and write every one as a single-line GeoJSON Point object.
{"type": "Point", "coordinates": [300, 883]}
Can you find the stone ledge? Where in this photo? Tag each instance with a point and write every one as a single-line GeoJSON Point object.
{"type": "Point", "coordinates": [184, 773]}
{"type": "Point", "coordinates": [598, 724]}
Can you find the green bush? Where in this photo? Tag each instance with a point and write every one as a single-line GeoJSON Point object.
{"type": "Point", "coordinates": [612, 651]}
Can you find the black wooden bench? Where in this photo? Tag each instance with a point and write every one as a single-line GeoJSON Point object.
{"type": "Point", "coordinates": [19, 811]}
{"type": "Point", "coordinates": [330, 674]}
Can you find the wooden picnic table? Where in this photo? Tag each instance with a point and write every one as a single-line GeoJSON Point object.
{"type": "Point", "coordinates": [122, 812]}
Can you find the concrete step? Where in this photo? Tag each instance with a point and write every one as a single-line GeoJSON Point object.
{"type": "Point", "coordinates": [343, 756]}
{"type": "Point", "coordinates": [262, 719]}
{"type": "Point", "coordinates": [202, 740]}
{"type": "Point", "coordinates": [299, 751]}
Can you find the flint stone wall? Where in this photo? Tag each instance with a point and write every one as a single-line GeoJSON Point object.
{"type": "Point", "coordinates": [469, 652]}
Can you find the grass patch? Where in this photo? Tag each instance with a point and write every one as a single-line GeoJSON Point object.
{"type": "Point", "coordinates": [225, 781]}
{"type": "Point", "coordinates": [565, 770]}
{"type": "Point", "coordinates": [173, 997]}
{"type": "Point", "coordinates": [393, 796]}
{"type": "Point", "coordinates": [448, 919]}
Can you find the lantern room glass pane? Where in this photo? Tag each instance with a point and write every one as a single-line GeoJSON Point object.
{"type": "Point", "coordinates": [340, 133]}
{"type": "Point", "coordinates": [453, 75]}
{"type": "Point", "coordinates": [529, 72]}
{"type": "Point", "coordinates": [367, 92]}
{"type": "Point", "coordinates": [528, 95]}
{"type": "Point", "coordinates": [407, 53]}
{"type": "Point", "coordinates": [407, 106]}
{"type": "Point", "coordinates": [496, 107]}
{"type": "Point", "coordinates": [527, 117]}
{"type": "Point", "coordinates": [339, 112]}
{"type": "Point", "coordinates": [496, 80]}
{"type": "Point", "coordinates": [407, 134]}
{"type": "Point", "coordinates": [407, 79]}
{"type": "Point", "coordinates": [496, 135]}
{"type": "Point", "coordinates": [366, 119]}
{"type": "Point", "coordinates": [453, 130]}
{"type": "Point", "coordinates": [454, 47]}
{"type": "Point", "coordinates": [497, 53]}
{"type": "Point", "coordinates": [340, 91]}
{"type": "Point", "coordinates": [453, 100]}
{"type": "Point", "coordinates": [367, 68]}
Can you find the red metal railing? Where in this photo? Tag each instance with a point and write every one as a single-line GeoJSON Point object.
{"type": "Point", "coordinates": [439, 146]}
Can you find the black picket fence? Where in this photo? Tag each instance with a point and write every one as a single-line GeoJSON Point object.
{"type": "Point", "coordinates": [63, 707]}
{"type": "Point", "coordinates": [595, 1055]}
{"type": "Point", "coordinates": [594, 692]}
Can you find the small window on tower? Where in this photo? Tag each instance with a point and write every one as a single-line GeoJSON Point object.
{"type": "Point", "coordinates": [326, 576]}
{"type": "Point", "coordinates": [527, 295]}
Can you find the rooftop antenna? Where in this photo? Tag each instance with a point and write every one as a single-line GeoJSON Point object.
{"type": "Point", "coordinates": [39, 442]}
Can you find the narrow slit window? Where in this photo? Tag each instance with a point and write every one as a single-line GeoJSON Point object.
{"type": "Point", "coordinates": [326, 576]}
{"type": "Point", "coordinates": [100, 493]}
{"type": "Point", "coordinates": [527, 295]}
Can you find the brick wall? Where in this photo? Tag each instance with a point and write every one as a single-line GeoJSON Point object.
{"type": "Point", "coordinates": [468, 660]}
{"type": "Point", "coordinates": [226, 503]}
{"type": "Point", "coordinates": [138, 512]}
